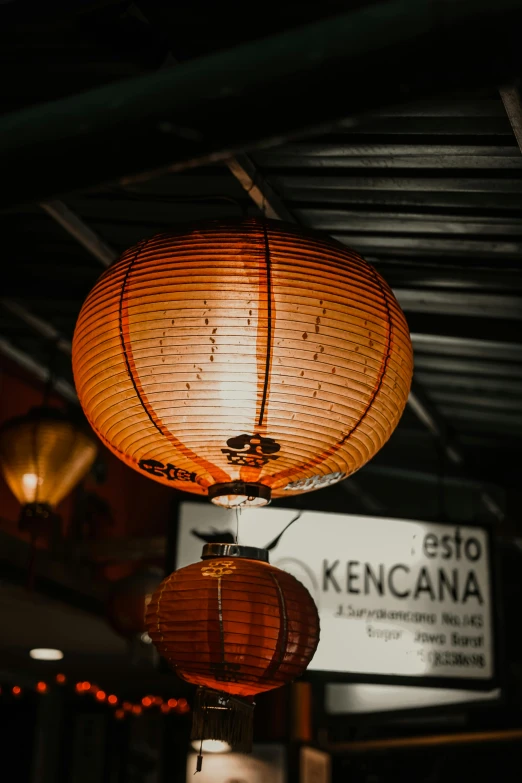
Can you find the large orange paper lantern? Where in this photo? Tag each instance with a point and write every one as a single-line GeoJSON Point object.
{"type": "Point", "coordinates": [242, 360]}
{"type": "Point", "coordinates": [236, 626]}
{"type": "Point", "coordinates": [43, 455]}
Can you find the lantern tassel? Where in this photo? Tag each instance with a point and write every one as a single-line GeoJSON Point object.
{"type": "Point", "coordinates": [220, 716]}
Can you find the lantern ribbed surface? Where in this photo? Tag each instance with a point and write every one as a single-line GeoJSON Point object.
{"type": "Point", "coordinates": [236, 625]}
{"type": "Point", "coordinates": [242, 351]}
{"type": "Point", "coordinates": [43, 455]}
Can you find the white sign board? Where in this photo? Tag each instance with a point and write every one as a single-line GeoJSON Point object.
{"type": "Point", "coordinates": [396, 598]}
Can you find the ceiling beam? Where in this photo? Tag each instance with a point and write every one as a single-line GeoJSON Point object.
{"type": "Point", "coordinates": [27, 362]}
{"type": "Point", "coordinates": [259, 190]}
{"type": "Point", "coordinates": [80, 231]}
{"type": "Point", "coordinates": [38, 324]}
{"type": "Point", "coordinates": [94, 245]}
{"type": "Point", "coordinates": [512, 100]}
{"type": "Point", "coordinates": [259, 93]}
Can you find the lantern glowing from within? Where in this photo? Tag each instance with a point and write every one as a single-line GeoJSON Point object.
{"type": "Point", "coordinates": [43, 455]}
{"type": "Point", "coordinates": [236, 626]}
{"type": "Point", "coordinates": [242, 360]}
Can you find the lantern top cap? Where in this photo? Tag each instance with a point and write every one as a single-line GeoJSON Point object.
{"type": "Point", "coordinates": [234, 550]}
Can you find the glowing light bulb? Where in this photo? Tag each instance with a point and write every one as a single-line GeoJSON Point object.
{"type": "Point", "coordinates": [46, 654]}
{"type": "Point", "coordinates": [30, 481]}
{"type": "Point", "coordinates": [212, 746]}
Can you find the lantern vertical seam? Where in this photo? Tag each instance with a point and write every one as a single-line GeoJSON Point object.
{"type": "Point", "coordinates": [220, 617]}
{"type": "Point", "coordinates": [269, 324]}
{"type": "Point", "coordinates": [122, 338]}
{"type": "Point", "coordinates": [386, 358]}
{"type": "Point", "coordinates": [282, 638]}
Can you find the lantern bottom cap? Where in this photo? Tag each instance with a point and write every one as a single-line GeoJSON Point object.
{"type": "Point", "coordinates": [240, 493]}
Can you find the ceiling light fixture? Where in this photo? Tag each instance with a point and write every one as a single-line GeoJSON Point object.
{"type": "Point", "coordinates": [212, 746]}
{"type": "Point", "coordinates": [46, 654]}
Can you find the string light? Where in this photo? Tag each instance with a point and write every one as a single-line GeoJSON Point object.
{"type": "Point", "coordinates": [180, 706]}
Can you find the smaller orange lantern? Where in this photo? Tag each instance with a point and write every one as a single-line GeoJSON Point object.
{"type": "Point", "coordinates": [43, 455]}
{"type": "Point", "coordinates": [235, 626]}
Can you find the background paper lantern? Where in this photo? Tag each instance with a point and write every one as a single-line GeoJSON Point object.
{"type": "Point", "coordinates": [236, 626]}
{"type": "Point", "coordinates": [43, 455]}
{"type": "Point", "coordinates": [242, 360]}
{"type": "Point", "coordinates": [129, 598]}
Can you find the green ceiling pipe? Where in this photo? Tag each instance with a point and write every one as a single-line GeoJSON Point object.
{"type": "Point", "coordinates": [262, 92]}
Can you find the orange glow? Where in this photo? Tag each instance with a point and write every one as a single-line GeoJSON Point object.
{"type": "Point", "coordinates": [41, 687]}
{"type": "Point", "coordinates": [101, 695]}
{"type": "Point", "coordinates": [136, 710]}
{"type": "Point", "coordinates": [64, 455]}
{"type": "Point", "coordinates": [249, 354]}
{"type": "Point", "coordinates": [16, 690]}
{"type": "Point", "coordinates": [119, 714]}
{"type": "Point", "coordinates": [79, 687]}
{"type": "Point", "coordinates": [158, 701]}
{"type": "Point", "coordinates": [61, 679]}
{"type": "Point", "coordinates": [173, 703]}
{"type": "Point", "coordinates": [127, 706]}
{"type": "Point", "coordinates": [249, 602]}
{"type": "Point", "coordinates": [86, 686]}
{"type": "Point", "coordinates": [165, 708]}
{"type": "Point", "coordinates": [146, 701]}
{"type": "Point", "coordinates": [112, 699]}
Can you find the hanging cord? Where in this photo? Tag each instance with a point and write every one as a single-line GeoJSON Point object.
{"type": "Point", "coordinates": [238, 509]}
{"type": "Point", "coordinates": [199, 762]}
